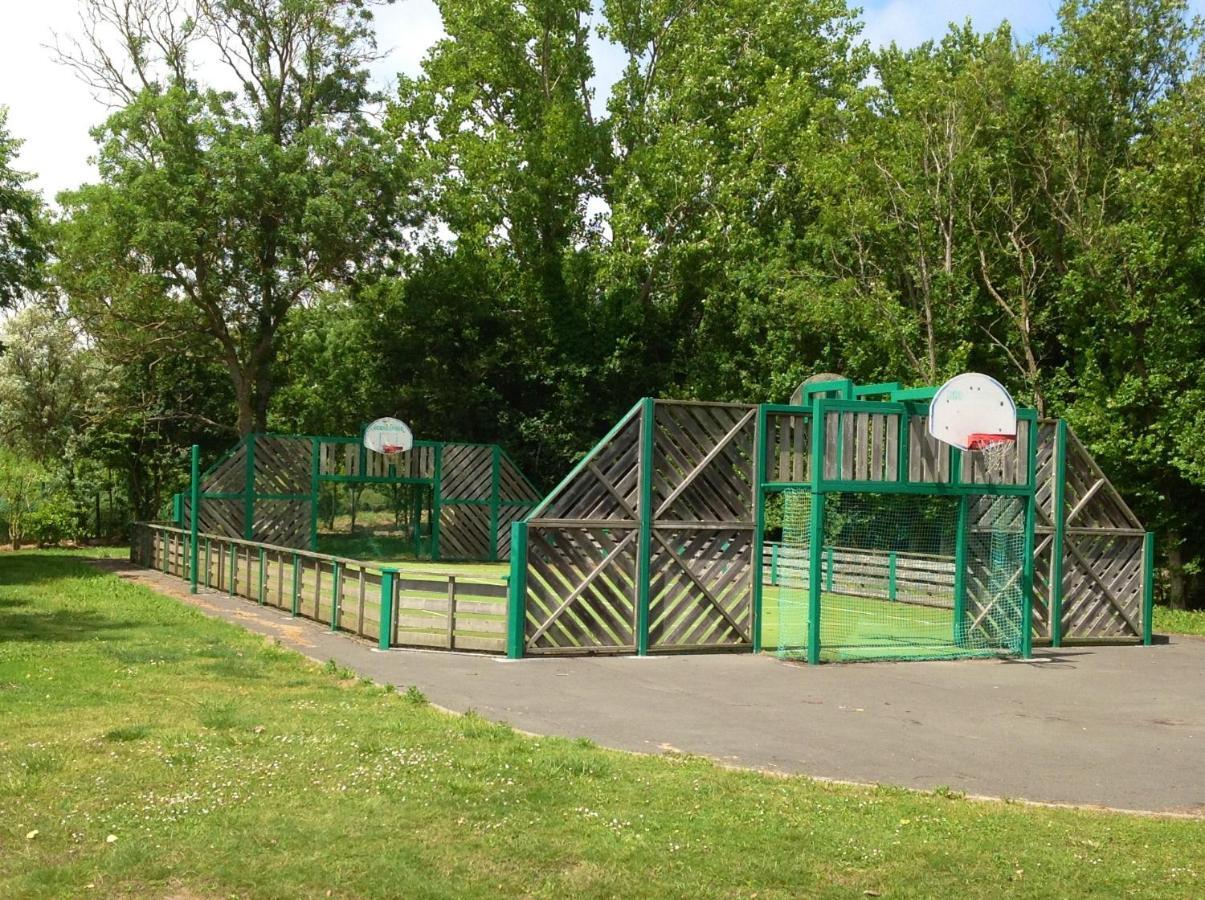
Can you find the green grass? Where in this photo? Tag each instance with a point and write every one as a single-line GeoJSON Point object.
{"type": "Point", "coordinates": [148, 750]}
{"type": "Point", "coordinates": [1179, 621]}
{"type": "Point", "coordinates": [385, 549]}
{"type": "Point", "coordinates": [860, 628]}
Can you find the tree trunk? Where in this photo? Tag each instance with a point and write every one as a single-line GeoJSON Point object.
{"type": "Point", "coordinates": [1178, 581]}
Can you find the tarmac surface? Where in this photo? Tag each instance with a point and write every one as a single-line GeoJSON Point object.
{"type": "Point", "coordinates": [1120, 726]}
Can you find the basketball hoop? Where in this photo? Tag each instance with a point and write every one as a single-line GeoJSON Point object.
{"type": "Point", "coordinates": [388, 436]}
{"type": "Point", "coordinates": [975, 413]}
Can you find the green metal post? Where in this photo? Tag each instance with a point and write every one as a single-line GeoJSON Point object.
{"type": "Point", "coordinates": [495, 499]}
{"type": "Point", "coordinates": [1031, 509]}
{"type": "Point", "coordinates": [1148, 587]}
{"type": "Point", "coordinates": [295, 604]}
{"type": "Point", "coordinates": [315, 489]}
{"type": "Point", "coordinates": [336, 583]}
{"type": "Point", "coordinates": [261, 576]}
{"type": "Point", "coordinates": [891, 593]}
{"type": "Point", "coordinates": [194, 500]}
{"type": "Point", "coordinates": [516, 598]}
{"type": "Point", "coordinates": [437, 501]}
{"type": "Point", "coordinates": [961, 536]}
{"type": "Point", "coordinates": [816, 533]}
{"type": "Point", "coordinates": [644, 550]}
{"type": "Point", "coordinates": [249, 490]}
{"type": "Point", "coordinates": [385, 621]}
{"type": "Point", "coordinates": [759, 527]}
{"type": "Point", "coordinates": [1059, 514]}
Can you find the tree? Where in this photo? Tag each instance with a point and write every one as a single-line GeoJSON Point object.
{"type": "Point", "coordinates": [510, 155]}
{"type": "Point", "coordinates": [46, 380]}
{"type": "Point", "coordinates": [23, 238]}
{"type": "Point", "coordinates": [220, 210]}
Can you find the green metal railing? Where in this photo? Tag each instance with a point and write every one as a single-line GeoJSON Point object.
{"type": "Point", "coordinates": [418, 609]}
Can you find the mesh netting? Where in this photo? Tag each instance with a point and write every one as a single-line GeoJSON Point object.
{"type": "Point", "coordinates": [890, 583]}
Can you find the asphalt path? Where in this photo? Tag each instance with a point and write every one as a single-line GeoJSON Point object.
{"type": "Point", "coordinates": [1112, 726]}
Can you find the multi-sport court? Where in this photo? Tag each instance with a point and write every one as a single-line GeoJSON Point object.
{"type": "Point", "coordinates": [848, 524]}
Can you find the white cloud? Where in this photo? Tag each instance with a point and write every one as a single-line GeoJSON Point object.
{"type": "Point", "coordinates": [52, 110]}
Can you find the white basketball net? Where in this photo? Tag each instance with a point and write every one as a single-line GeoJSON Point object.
{"type": "Point", "coordinates": [992, 457]}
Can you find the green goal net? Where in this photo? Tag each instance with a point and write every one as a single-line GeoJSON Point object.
{"type": "Point", "coordinates": [899, 576]}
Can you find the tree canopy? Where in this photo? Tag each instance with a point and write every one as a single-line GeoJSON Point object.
{"type": "Point", "coordinates": [500, 249]}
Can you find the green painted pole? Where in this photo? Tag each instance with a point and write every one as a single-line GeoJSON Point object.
{"type": "Point", "coordinates": [437, 501]}
{"type": "Point", "coordinates": [759, 528]}
{"type": "Point", "coordinates": [1148, 587]}
{"type": "Point", "coordinates": [961, 536]}
{"type": "Point", "coordinates": [261, 576]}
{"type": "Point", "coordinates": [815, 532]}
{"type": "Point", "coordinates": [336, 584]}
{"type": "Point", "coordinates": [295, 603]}
{"type": "Point", "coordinates": [1059, 514]}
{"type": "Point", "coordinates": [249, 490]}
{"type": "Point", "coordinates": [1031, 507]}
{"type": "Point", "coordinates": [644, 549]}
{"type": "Point", "coordinates": [315, 489]}
{"type": "Point", "coordinates": [495, 498]}
{"type": "Point", "coordinates": [516, 598]}
{"type": "Point", "coordinates": [385, 622]}
{"type": "Point", "coordinates": [891, 592]}
{"type": "Point", "coordinates": [194, 500]}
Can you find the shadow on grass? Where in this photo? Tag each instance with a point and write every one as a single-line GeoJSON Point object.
{"type": "Point", "coordinates": [28, 568]}
{"type": "Point", "coordinates": [59, 626]}
{"type": "Point", "coordinates": [26, 619]}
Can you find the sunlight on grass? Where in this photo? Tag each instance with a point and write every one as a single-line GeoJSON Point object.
{"type": "Point", "coordinates": [221, 765]}
{"type": "Point", "coordinates": [1179, 621]}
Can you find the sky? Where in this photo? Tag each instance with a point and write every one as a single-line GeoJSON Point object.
{"type": "Point", "coordinates": [51, 110]}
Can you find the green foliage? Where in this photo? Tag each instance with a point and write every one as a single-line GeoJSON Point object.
{"type": "Point", "coordinates": [761, 196]}
{"type": "Point", "coordinates": [33, 508]}
{"type": "Point", "coordinates": [23, 232]}
{"type": "Point", "coordinates": [220, 211]}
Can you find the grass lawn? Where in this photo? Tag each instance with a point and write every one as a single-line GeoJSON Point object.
{"type": "Point", "coordinates": [148, 750]}
{"type": "Point", "coordinates": [1179, 621]}
{"type": "Point", "coordinates": [853, 628]}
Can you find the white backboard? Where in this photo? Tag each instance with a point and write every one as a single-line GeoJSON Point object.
{"type": "Point", "coordinates": [972, 405]}
{"type": "Point", "coordinates": [388, 435]}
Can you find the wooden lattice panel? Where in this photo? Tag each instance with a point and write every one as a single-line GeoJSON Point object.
{"type": "Point", "coordinates": [581, 585]}
{"type": "Point", "coordinates": [467, 472]}
{"type": "Point", "coordinates": [703, 463]}
{"type": "Point", "coordinates": [282, 465]}
{"type": "Point", "coordinates": [1102, 586]}
{"type": "Point", "coordinates": [700, 590]}
{"type": "Point", "coordinates": [464, 532]}
{"type": "Point", "coordinates": [283, 523]}
{"type": "Point", "coordinates": [606, 488]}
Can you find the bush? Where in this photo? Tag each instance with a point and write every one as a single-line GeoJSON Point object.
{"type": "Point", "coordinates": [32, 508]}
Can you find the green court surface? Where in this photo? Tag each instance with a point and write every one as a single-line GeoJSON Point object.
{"type": "Point", "coordinates": [862, 628]}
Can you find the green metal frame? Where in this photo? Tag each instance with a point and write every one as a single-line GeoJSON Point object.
{"type": "Point", "coordinates": [904, 403]}
{"type": "Point", "coordinates": [249, 496]}
{"type": "Point", "coordinates": [1058, 540]}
